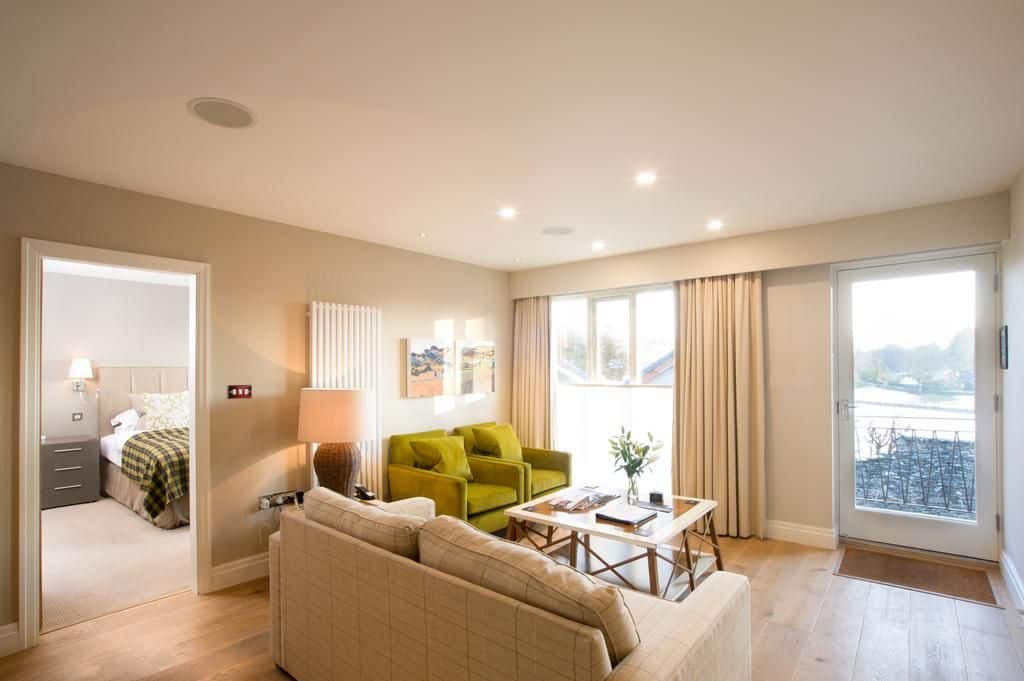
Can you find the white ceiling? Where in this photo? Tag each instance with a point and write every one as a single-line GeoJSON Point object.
{"type": "Point", "coordinates": [384, 122]}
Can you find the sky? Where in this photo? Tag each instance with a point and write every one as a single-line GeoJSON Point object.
{"type": "Point", "coordinates": [912, 311]}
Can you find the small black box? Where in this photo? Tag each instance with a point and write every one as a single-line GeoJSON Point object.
{"type": "Point", "coordinates": [657, 498]}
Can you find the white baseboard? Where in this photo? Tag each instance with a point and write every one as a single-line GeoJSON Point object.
{"type": "Point", "coordinates": [10, 641]}
{"type": "Point", "coordinates": [240, 571]}
{"type": "Point", "coordinates": [1012, 577]}
{"type": "Point", "coordinates": [808, 535]}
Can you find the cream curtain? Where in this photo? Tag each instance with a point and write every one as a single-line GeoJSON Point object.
{"type": "Point", "coordinates": [531, 372]}
{"type": "Point", "coordinates": [719, 443]}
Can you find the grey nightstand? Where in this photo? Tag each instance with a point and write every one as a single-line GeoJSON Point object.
{"type": "Point", "coordinates": [69, 471]}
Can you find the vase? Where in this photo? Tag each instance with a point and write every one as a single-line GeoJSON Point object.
{"type": "Point", "coordinates": [632, 491]}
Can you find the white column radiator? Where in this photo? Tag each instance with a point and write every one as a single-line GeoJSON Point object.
{"type": "Point", "coordinates": [344, 352]}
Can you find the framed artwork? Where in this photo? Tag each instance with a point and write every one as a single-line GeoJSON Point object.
{"type": "Point", "coordinates": [476, 367]}
{"type": "Point", "coordinates": [429, 368]}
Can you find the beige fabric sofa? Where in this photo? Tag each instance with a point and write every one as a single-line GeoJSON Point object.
{"type": "Point", "coordinates": [343, 608]}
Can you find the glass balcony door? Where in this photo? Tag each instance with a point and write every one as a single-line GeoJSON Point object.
{"type": "Point", "coordinates": [916, 352]}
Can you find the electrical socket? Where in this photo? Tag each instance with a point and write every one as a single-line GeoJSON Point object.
{"type": "Point", "coordinates": [77, 416]}
{"type": "Point", "coordinates": [275, 499]}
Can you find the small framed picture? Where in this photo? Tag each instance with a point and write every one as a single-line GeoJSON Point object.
{"type": "Point", "coordinates": [1004, 347]}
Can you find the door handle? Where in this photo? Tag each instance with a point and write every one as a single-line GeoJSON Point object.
{"type": "Point", "coordinates": [844, 407]}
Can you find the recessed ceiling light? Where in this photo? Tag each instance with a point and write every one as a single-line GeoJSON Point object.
{"type": "Point", "coordinates": [423, 235]}
{"type": "Point", "coordinates": [597, 246]}
{"type": "Point", "coordinates": [221, 112]}
{"type": "Point", "coordinates": [715, 224]}
{"type": "Point", "coordinates": [645, 178]}
{"type": "Point", "coordinates": [507, 212]}
{"type": "Point", "coordinates": [557, 230]}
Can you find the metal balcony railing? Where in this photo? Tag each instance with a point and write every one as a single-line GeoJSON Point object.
{"type": "Point", "coordinates": [916, 471]}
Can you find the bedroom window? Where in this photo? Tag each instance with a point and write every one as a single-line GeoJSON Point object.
{"type": "Point", "coordinates": [613, 360]}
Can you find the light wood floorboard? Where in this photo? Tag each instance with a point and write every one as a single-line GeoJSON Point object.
{"type": "Point", "coordinates": [807, 624]}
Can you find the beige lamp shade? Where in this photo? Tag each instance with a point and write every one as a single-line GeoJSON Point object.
{"type": "Point", "coordinates": [80, 368]}
{"type": "Point", "coordinates": [333, 415]}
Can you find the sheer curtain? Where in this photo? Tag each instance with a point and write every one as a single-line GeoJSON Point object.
{"type": "Point", "coordinates": [531, 371]}
{"type": "Point", "coordinates": [719, 444]}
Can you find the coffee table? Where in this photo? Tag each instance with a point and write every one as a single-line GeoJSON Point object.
{"type": "Point", "coordinates": [687, 520]}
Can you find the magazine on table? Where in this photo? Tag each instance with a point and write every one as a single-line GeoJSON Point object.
{"type": "Point", "coordinates": [582, 500]}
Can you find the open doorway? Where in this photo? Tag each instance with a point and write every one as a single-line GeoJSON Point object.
{"type": "Point", "coordinates": [114, 448]}
{"type": "Point", "coordinates": [114, 433]}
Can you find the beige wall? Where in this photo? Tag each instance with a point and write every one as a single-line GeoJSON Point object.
{"type": "Point", "coordinates": [263, 275]}
{"type": "Point", "coordinates": [946, 225]}
{"type": "Point", "coordinates": [1013, 385]}
{"type": "Point", "coordinates": [798, 395]}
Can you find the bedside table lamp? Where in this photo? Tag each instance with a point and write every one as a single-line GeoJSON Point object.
{"type": "Point", "coordinates": [338, 420]}
{"type": "Point", "coordinates": [79, 371]}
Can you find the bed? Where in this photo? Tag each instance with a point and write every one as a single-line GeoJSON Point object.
{"type": "Point", "coordinates": [115, 385]}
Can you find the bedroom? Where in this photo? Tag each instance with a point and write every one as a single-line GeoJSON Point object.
{"type": "Point", "coordinates": [114, 457]}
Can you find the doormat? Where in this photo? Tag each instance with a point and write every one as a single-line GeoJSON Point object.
{"type": "Point", "coordinates": [938, 578]}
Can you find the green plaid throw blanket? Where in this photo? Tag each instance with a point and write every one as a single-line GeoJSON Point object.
{"type": "Point", "coordinates": [157, 460]}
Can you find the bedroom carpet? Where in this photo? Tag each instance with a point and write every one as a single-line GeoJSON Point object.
{"type": "Point", "coordinates": [99, 558]}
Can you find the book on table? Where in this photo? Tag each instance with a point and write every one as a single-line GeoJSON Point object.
{"type": "Point", "coordinates": [625, 514]}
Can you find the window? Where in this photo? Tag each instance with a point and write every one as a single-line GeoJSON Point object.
{"type": "Point", "coordinates": [614, 366]}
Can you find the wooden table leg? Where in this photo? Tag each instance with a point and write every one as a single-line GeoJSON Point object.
{"type": "Point", "coordinates": [714, 542]}
{"type": "Point", "coordinates": [573, 547]}
{"type": "Point", "coordinates": [689, 559]}
{"type": "Point", "coordinates": [652, 570]}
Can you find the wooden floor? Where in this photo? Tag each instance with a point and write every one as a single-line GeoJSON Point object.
{"type": "Point", "coordinates": [808, 625]}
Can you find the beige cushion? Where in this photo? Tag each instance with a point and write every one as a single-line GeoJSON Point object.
{"type": "Point", "coordinates": [457, 548]}
{"type": "Point", "coordinates": [392, 532]}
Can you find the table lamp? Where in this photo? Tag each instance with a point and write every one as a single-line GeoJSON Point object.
{"type": "Point", "coordinates": [338, 420]}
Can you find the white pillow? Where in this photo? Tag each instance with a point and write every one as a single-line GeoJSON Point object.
{"type": "Point", "coordinates": [127, 418]}
{"type": "Point", "coordinates": [161, 410]}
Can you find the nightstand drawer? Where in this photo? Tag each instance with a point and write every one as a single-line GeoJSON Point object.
{"type": "Point", "coordinates": [69, 472]}
{"type": "Point", "coordinates": [69, 453]}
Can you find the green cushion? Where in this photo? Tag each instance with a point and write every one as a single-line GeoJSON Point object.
{"type": "Point", "coordinates": [467, 432]}
{"type": "Point", "coordinates": [445, 455]}
{"type": "Point", "coordinates": [401, 453]}
{"type": "Point", "coordinates": [545, 479]}
{"type": "Point", "coordinates": [482, 497]}
{"type": "Point", "coordinates": [499, 441]}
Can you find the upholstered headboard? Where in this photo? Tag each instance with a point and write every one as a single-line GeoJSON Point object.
{"type": "Point", "coordinates": [117, 383]}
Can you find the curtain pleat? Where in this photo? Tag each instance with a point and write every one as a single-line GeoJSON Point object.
{"type": "Point", "coordinates": [719, 443]}
{"type": "Point", "coordinates": [531, 371]}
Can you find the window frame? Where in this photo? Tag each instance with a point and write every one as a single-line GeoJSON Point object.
{"type": "Point", "coordinates": [594, 377]}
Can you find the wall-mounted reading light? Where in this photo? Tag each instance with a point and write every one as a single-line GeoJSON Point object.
{"type": "Point", "coordinates": [79, 371]}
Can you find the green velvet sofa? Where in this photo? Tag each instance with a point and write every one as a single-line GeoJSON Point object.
{"type": "Point", "coordinates": [496, 484]}
{"type": "Point", "coordinates": [546, 470]}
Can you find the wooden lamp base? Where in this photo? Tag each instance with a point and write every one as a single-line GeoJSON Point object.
{"type": "Point", "coordinates": [337, 466]}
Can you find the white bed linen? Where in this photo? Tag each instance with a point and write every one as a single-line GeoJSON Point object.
{"type": "Point", "coordinates": [111, 445]}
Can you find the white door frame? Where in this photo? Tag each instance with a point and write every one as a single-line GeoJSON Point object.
{"type": "Point", "coordinates": [836, 269]}
{"type": "Point", "coordinates": [33, 252]}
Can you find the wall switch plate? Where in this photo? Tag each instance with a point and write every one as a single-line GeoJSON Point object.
{"type": "Point", "coordinates": [77, 416]}
{"type": "Point", "coordinates": [239, 392]}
